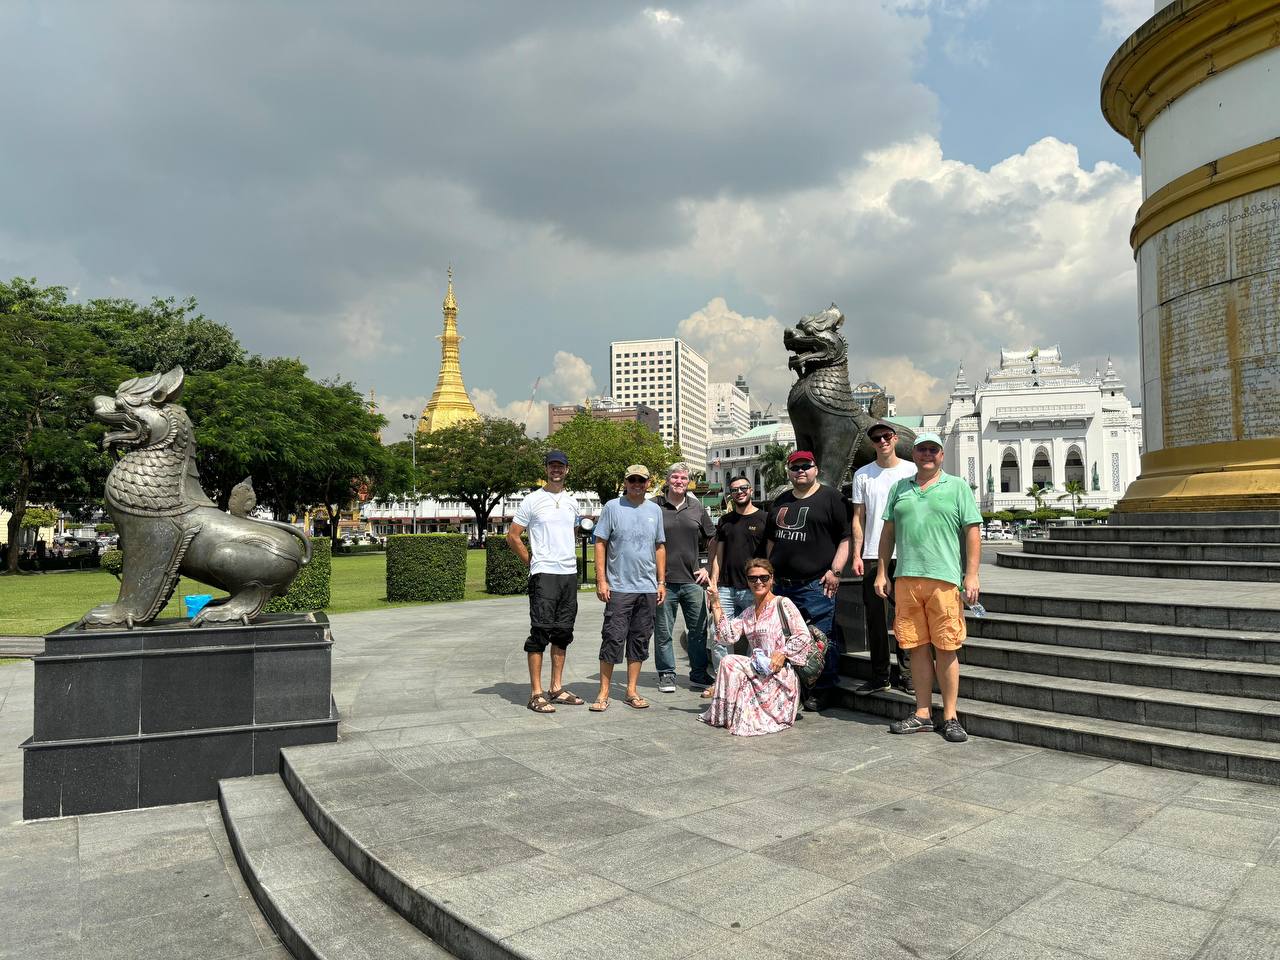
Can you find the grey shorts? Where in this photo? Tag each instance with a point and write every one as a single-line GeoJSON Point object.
{"type": "Point", "coordinates": [628, 625]}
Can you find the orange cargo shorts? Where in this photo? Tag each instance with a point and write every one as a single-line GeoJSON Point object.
{"type": "Point", "coordinates": [928, 611]}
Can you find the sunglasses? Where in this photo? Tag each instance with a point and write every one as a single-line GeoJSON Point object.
{"type": "Point", "coordinates": [883, 437]}
{"type": "Point", "coordinates": [800, 467]}
{"type": "Point", "coordinates": [759, 577]}
{"type": "Point", "coordinates": [739, 489]}
{"type": "Point", "coordinates": [637, 479]}
{"type": "Point", "coordinates": [929, 451]}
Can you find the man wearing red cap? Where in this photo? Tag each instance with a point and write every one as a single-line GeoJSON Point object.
{"type": "Point", "coordinates": [807, 540]}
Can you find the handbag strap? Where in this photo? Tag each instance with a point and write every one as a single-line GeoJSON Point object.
{"type": "Point", "coordinates": [782, 616]}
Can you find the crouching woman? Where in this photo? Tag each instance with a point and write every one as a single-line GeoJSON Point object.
{"type": "Point", "coordinates": [760, 693]}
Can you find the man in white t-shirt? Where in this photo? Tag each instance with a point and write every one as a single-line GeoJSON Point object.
{"type": "Point", "coordinates": [871, 487]}
{"type": "Point", "coordinates": [551, 517]}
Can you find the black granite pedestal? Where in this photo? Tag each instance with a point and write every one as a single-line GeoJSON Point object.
{"type": "Point", "coordinates": [160, 714]}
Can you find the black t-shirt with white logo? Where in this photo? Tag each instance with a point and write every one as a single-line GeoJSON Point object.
{"type": "Point", "coordinates": [806, 532]}
{"type": "Point", "coordinates": [743, 539]}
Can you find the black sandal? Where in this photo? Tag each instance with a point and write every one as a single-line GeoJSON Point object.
{"type": "Point", "coordinates": [539, 703]}
{"type": "Point", "coordinates": [566, 698]}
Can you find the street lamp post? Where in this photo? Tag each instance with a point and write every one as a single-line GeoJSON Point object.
{"type": "Point", "coordinates": [413, 449]}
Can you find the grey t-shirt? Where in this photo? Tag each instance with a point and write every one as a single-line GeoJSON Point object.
{"type": "Point", "coordinates": [634, 532]}
{"type": "Point", "coordinates": [686, 529]}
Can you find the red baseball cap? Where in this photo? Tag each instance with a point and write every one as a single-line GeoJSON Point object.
{"type": "Point", "coordinates": [801, 455]}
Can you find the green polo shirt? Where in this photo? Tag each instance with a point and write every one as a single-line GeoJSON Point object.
{"type": "Point", "coordinates": [928, 525]}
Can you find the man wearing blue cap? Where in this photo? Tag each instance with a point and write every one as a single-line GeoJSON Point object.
{"type": "Point", "coordinates": [925, 518]}
{"type": "Point", "coordinates": [551, 517]}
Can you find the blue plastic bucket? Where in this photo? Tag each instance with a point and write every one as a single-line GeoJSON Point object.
{"type": "Point", "coordinates": [195, 602]}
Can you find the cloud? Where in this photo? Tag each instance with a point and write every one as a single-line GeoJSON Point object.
{"type": "Point", "coordinates": [1121, 17]}
{"type": "Point", "coordinates": [735, 344]}
{"type": "Point", "coordinates": [936, 261]}
{"type": "Point", "coordinates": [570, 381]}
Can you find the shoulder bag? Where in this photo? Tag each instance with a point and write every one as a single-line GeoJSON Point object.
{"type": "Point", "coordinates": [811, 669]}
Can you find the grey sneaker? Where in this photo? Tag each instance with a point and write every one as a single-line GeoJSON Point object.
{"type": "Point", "coordinates": [666, 683]}
{"type": "Point", "coordinates": [873, 686]}
{"type": "Point", "coordinates": [913, 724]}
{"type": "Point", "coordinates": [952, 732]}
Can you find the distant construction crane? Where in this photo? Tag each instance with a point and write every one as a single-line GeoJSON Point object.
{"type": "Point", "coordinates": [528, 411]}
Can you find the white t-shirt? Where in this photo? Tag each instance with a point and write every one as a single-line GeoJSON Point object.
{"type": "Point", "coordinates": [871, 487]}
{"type": "Point", "coordinates": [552, 521]}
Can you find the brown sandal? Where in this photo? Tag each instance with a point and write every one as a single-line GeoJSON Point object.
{"type": "Point", "coordinates": [565, 698]}
{"type": "Point", "coordinates": [600, 706]}
{"type": "Point", "coordinates": [637, 701]}
{"type": "Point", "coordinates": [539, 703]}
{"type": "Point", "coordinates": [708, 693]}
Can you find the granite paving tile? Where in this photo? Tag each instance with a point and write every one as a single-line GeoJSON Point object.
{"type": "Point", "coordinates": [1093, 809]}
{"type": "Point", "coordinates": [1059, 848]}
{"type": "Point", "coordinates": [648, 855]}
{"type": "Point", "coordinates": [855, 922]}
{"type": "Point", "coordinates": [1254, 801]}
{"type": "Point", "coordinates": [994, 945]}
{"type": "Point", "coordinates": [1258, 896]}
{"type": "Point", "coordinates": [1235, 938]}
{"type": "Point", "coordinates": [742, 892]}
{"type": "Point", "coordinates": [507, 899]}
{"type": "Point", "coordinates": [1142, 783]}
{"type": "Point", "coordinates": [929, 818]}
{"type": "Point", "coordinates": [995, 788]}
{"type": "Point", "coordinates": [140, 893]}
{"type": "Point", "coordinates": [1165, 873]}
{"type": "Point", "coordinates": [1102, 923]}
{"type": "Point", "coordinates": [438, 856]}
{"type": "Point", "coordinates": [632, 928]}
{"type": "Point", "coordinates": [917, 774]}
{"type": "Point", "coordinates": [843, 851]}
{"type": "Point", "coordinates": [194, 931]}
{"type": "Point", "coordinates": [557, 824]}
{"type": "Point", "coordinates": [975, 888]}
{"type": "Point", "coordinates": [415, 817]}
{"type": "Point", "coordinates": [1219, 834]}
{"type": "Point", "coordinates": [739, 824]}
{"type": "Point", "coordinates": [1056, 765]}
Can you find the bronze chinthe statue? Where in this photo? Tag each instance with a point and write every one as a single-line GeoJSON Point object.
{"type": "Point", "coordinates": [169, 528]}
{"type": "Point", "coordinates": [826, 418]}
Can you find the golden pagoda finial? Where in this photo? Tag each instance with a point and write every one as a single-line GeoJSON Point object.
{"type": "Point", "coordinates": [449, 404]}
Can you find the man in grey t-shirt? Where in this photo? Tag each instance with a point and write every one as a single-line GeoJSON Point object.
{"type": "Point", "coordinates": [687, 527]}
{"type": "Point", "coordinates": [631, 562]}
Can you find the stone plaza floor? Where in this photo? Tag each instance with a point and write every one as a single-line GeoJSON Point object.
{"type": "Point", "coordinates": [642, 833]}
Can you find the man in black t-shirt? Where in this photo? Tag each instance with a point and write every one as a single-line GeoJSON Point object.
{"type": "Point", "coordinates": [739, 538]}
{"type": "Point", "coordinates": [807, 539]}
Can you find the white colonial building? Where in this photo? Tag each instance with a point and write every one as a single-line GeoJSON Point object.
{"type": "Point", "coordinates": [741, 456]}
{"type": "Point", "coordinates": [1037, 421]}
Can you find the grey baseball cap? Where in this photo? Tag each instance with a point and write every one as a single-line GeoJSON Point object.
{"type": "Point", "coordinates": [882, 425]}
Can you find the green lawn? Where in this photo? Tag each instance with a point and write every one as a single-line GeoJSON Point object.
{"type": "Point", "coordinates": [35, 604]}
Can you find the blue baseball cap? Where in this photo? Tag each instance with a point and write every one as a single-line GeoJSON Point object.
{"type": "Point", "coordinates": [556, 456]}
{"type": "Point", "coordinates": [927, 438]}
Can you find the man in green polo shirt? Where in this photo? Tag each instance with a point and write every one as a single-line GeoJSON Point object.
{"type": "Point", "coordinates": [925, 518]}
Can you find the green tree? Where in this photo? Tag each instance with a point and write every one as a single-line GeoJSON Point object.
{"type": "Point", "coordinates": [160, 335]}
{"type": "Point", "coordinates": [600, 451]}
{"type": "Point", "coordinates": [1036, 493]}
{"type": "Point", "coordinates": [304, 443]}
{"type": "Point", "coordinates": [478, 462]}
{"type": "Point", "coordinates": [1076, 491]}
{"type": "Point", "coordinates": [50, 370]}
{"type": "Point", "coordinates": [773, 467]}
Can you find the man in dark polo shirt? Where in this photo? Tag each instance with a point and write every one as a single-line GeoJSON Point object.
{"type": "Point", "coordinates": [687, 526]}
{"type": "Point", "coordinates": [807, 539]}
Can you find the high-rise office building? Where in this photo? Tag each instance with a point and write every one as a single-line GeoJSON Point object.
{"type": "Point", "coordinates": [728, 406]}
{"type": "Point", "coordinates": [670, 376]}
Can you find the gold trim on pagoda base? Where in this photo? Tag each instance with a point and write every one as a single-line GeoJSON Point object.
{"type": "Point", "coordinates": [1234, 475]}
{"type": "Point", "coordinates": [1228, 178]}
{"type": "Point", "coordinates": [1184, 44]}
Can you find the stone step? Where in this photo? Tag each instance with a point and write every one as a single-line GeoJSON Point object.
{"type": "Point", "coordinates": [1055, 602]}
{"type": "Point", "coordinates": [1159, 569]}
{"type": "Point", "coordinates": [1255, 646]}
{"type": "Point", "coordinates": [327, 806]}
{"type": "Point", "coordinates": [1238, 717]}
{"type": "Point", "coordinates": [1261, 553]}
{"type": "Point", "coordinates": [1168, 534]}
{"type": "Point", "coordinates": [1224, 677]}
{"type": "Point", "coordinates": [1199, 753]}
{"type": "Point", "coordinates": [1231, 518]}
{"type": "Point", "coordinates": [316, 906]}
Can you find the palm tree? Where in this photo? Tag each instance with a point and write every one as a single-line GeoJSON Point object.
{"type": "Point", "coordinates": [1036, 493]}
{"type": "Point", "coordinates": [1076, 491]}
{"type": "Point", "coordinates": [773, 467]}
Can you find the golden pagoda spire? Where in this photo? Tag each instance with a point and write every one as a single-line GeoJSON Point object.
{"type": "Point", "coordinates": [449, 404]}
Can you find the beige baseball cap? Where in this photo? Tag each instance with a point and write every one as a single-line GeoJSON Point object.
{"type": "Point", "coordinates": [637, 470]}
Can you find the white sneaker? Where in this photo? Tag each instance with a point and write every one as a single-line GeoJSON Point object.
{"type": "Point", "coordinates": [666, 683]}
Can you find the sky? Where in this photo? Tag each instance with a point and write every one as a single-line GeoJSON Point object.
{"type": "Point", "coordinates": [593, 171]}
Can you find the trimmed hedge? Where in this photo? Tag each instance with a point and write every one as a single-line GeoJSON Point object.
{"type": "Point", "coordinates": [423, 567]}
{"type": "Point", "coordinates": [310, 589]}
{"type": "Point", "coordinates": [345, 548]}
{"type": "Point", "coordinates": [504, 573]}
{"type": "Point", "coordinates": [112, 561]}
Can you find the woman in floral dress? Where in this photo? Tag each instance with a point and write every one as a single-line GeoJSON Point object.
{"type": "Point", "coordinates": [747, 702]}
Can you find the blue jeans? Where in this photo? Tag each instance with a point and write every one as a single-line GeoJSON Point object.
{"type": "Point", "coordinates": [819, 611]}
{"type": "Point", "coordinates": [690, 598]}
{"type": "Point", "coordinates": [733, 601]}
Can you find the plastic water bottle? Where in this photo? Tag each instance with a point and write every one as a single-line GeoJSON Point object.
{"type": "Point", "coordinates": [978, 610]}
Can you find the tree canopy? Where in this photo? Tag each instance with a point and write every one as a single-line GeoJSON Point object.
{"type": "Point", "coordinates": [478, 462]}
{"type": "Point", "coordinates": [600, 451]}
{"type": "Point", "coordinates": [773, 467]}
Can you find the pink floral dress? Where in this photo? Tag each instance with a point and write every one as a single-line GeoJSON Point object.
{"type": "Point", "coordinates": [748, 704]}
